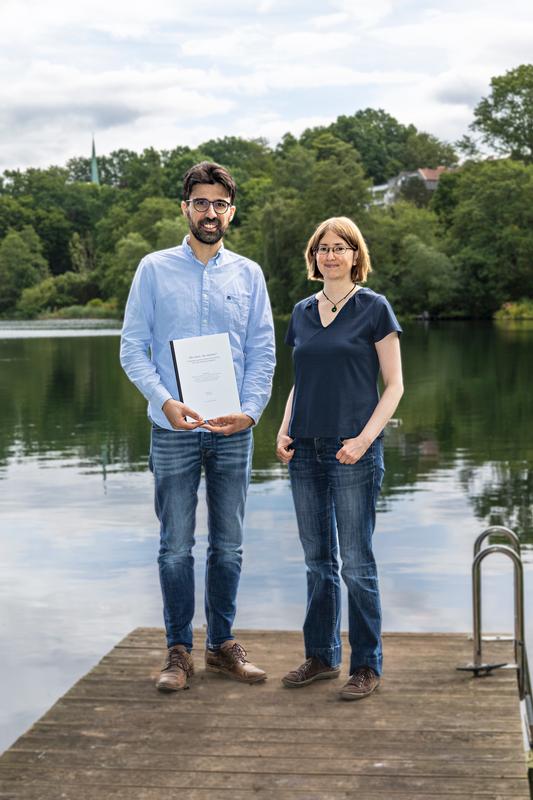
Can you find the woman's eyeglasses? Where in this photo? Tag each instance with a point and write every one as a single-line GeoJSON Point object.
{"type": "Point", "coordinates": [338, 249]}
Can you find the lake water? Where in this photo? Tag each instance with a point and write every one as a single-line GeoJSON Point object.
{"type": "Point", "coordinates": [78, 538]}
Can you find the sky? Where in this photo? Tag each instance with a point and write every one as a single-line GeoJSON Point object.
{"type": "Point", "coordinates": [162, 73]}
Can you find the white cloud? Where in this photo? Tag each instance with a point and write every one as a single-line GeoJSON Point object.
{"type": "Point", "coordinates": [364, 14]}
{"type": "Point", "coordinates": [317, 76]}
{"type": "Point", "coordinates": [243, 45]}
{"type": "Point", "coordinates": [312, 44]}
{"type": "Point", "coordinates": [108, 98]}
{"type": "Point", "coordinates": [154, 74]}
{"type": "Point", "coordinates": [274, 127]}
{"type": "Point", "coordinates": [329, 20]}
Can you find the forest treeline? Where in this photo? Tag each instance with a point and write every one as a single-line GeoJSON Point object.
{"type": "Point", "coordinates": [465, 250]}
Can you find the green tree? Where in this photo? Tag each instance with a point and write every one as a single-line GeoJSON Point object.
{"type": "Point", "coordinates": [284, 230]}
{"type": "Point", "coordinates": [44, 186]}
{"type": "Point", "coordinates": [69, 288]}
{"type": "Point", "coordinates": [55, 231]}
{"type": "Point", "coordinates": [82, 255]}
{"type": "Point", "coordinates": [445, 196]}
{"type": "Point", "coordinates": [428, 281]}
{"type": "Point", "coordinates": [128, 253]}
{"type": "Point", "coordinates": [293, 165]}
{"type": "Point", "coordinates": [324, 180]}
{"type": "Point", "coordinates": [21, 265]}
{"type": "Point", "coordinates": [12, 215]}
{"type": "Point", "coordinates": [150, 212]}
{"type": "Point", "coordinates": [336, 185]}
{"type": "Point", "coordinates": [112, 227]}
{"type": "Point", "coordinates": [491, 234]}
{"type": "Point", "coordinates": [414, 190]}
{"type": "Point", "coordinates": [408, 259]}
{"type": "Point", "coordinates": [84, 204]}
{"type": "Point", "coordinates": [385, 145]}
{"type": "Point", "coordinates": [425, 150]}
{"type": "Point", "coordinates": [252, 157]}
{"type": "Point", "coordinates": [505, 117]}
{"type": "Point", "coordinates": [175, 164]}
{"type": "Point", "coordinates": [377, 137]}
{"type": "Point", "coordinates": [386, 228]}
{"type": "Point", "coordinates": [170, 232]}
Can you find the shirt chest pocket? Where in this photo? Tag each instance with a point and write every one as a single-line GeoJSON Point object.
{"type": "Point", "coordinates": [236, 311]}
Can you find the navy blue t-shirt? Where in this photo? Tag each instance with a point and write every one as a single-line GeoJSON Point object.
{"type": "Point", "coordinates": [336, 367]}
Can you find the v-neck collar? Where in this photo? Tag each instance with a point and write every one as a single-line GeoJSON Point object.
{"type": "Point", "coordinates": [338, 313]}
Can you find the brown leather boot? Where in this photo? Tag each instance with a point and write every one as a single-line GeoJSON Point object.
{"type": "Point", "coordinates": [177, 670]}
{"type": "Point", "coordinates": [363, 682]}
{"type": "Point", "coordinates": [311, 670]}
{"type": "Point", "coordinates": [230, 660]}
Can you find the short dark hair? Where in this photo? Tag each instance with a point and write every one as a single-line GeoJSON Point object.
{"type": "Point", "coordinates": [208, 172]}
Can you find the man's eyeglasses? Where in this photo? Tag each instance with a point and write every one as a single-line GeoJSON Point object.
{"type": "Point", "coordinates": [338, 249]}
{"type": "Point", "coordinates": [201, 204]}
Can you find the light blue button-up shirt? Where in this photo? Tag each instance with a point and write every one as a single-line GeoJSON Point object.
{"type": "Point", "coordinates": [175, 296]}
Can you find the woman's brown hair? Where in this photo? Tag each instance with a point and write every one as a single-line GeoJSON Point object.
{"type": "Point", "coordinates": [348, 231]}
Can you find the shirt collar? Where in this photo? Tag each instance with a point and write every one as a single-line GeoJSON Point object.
{"type": "Point", "coordinates": [190, 252]}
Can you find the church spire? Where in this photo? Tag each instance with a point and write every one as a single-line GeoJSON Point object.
{"type": "Point", "coordinates": [94, 167]}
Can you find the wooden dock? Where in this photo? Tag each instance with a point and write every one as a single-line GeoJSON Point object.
{"type": "Point", "coordinates": [428, 732]}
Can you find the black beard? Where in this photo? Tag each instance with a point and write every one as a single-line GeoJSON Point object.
{"type": "Point", "coordinates": [206, 237]}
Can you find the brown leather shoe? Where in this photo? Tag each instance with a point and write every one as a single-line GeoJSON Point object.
{"type": "Point", "coordinates": [361, 684]}
{"type": "Point", "coordinates": [177, 670]}
{"type": "Point", "coordinates": [311, 670]}
{"type": "Point", "coordinates": [230, 660]}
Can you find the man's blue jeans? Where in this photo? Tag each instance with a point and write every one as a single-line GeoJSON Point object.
{"type": "Point", "coordinates": [336, 508]}
{"type": "Point", "coordinates": [176, 459]}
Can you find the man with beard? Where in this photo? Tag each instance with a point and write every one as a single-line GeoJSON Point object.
{"type": "Point", "coordinates": [196, 289]}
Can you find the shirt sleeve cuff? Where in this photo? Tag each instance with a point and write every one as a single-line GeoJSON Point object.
{"type": "Point", "coordinates": [253, 412]}
{"type": "Point", "coordinates": [159, 396]}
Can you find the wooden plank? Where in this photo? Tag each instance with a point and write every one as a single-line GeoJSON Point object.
{"type": "Point", "coordinates": [272, 695]}
{"type": "Point", "coordinates": [102, 758]}
{"type": "Point", "coordinates": [42, 790]}
{"type": "Point", "coordinates": [108, 779]}
{"type": "Point", "coordinates": [279, 744]}
{"type": "Point", "coordinates": [429, 731]}
{"type": "Point", "coordinates": [425, 719]}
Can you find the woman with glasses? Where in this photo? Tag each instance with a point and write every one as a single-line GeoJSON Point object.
{"type": "Point", "coordinates": [331, 438]}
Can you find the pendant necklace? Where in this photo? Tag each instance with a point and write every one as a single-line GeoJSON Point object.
{"type": "Point", "coordinates": [338, 301]}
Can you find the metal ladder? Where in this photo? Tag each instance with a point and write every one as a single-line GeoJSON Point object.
{"type": "Point", "coordinates": [520, 664]}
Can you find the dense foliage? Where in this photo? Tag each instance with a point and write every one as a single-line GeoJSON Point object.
{"type": "Point", "coordinates": [462, 250]}
{"type": "Point", "coordinates": [504, 119]}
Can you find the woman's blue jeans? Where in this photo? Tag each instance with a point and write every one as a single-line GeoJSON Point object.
{"type": "Point", "coordinates": [336, 510]}
{"type": "Point", "coordinates": [176, 460]}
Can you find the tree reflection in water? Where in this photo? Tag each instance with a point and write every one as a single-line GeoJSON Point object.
{"type": "Point", "coordinates": [466, 407]}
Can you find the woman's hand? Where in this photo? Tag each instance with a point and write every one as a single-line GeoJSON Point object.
{"type": "Point", "coordinates": [352, 450]}
{"type": "Point", "coordinates": [283, 442]}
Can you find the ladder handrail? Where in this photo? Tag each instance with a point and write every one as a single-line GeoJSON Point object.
{"type": "Point", "coordinates": [502, 531]}
{"type": "Point", "coordinates": [520, 653]}
{"type": "Point", "coordinates": [519, 638]}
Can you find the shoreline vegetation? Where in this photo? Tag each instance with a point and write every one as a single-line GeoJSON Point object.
{"type": "Point", "coordinates": [519, 313]}
{"type": "Point", "coordinates": [448, 243]}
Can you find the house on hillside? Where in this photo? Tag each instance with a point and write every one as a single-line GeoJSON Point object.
{"type": "Point", "coordinates": [386, 193]}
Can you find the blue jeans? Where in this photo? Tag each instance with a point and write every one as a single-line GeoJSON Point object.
{"type": "Point", "coordinates": [176, 459]}
{"type": "Point", "coordinates": [336, 509]}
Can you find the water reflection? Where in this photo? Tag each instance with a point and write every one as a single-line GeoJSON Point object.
{"type": "Point", "coordinates": [78, 539]}
{"type": "Point", "coordinates": [468, 396]}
